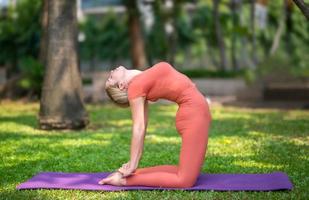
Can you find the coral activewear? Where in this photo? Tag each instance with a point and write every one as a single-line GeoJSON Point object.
{"type": "Point", "coordinates": [193, 119]}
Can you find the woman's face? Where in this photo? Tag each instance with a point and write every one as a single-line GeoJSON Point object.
{"type": "Point", "coordinates": [116, 76]}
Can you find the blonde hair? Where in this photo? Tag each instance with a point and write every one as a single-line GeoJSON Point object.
{"type": "Point", "coordinates": [119, 97]}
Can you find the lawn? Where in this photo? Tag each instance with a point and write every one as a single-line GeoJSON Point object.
{"type": "Point", "coordinates": [241, 141]}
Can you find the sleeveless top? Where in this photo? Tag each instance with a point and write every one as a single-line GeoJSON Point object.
{"type": "Point", "coordinates": [161, 81]}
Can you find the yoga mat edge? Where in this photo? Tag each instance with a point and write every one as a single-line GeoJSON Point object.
{"type": "Point", "coordinates": [274, 181]}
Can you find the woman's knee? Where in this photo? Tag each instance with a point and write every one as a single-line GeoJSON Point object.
{"type": "Point", "coordinates": [187, 182]}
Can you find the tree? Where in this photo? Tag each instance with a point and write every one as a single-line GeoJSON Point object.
{"type": "Point", "coordinates": [136, 37]}
{"type": "Point", "coordinates": [253, 31]}
{"type": "Point", "coordinates": [280, 30]}
{"type": "Point", "coordinates": [173, 13]}
{"type": "Point", "coordinates": [219, 35]}
{"type": "Point", "coordinates": [234, 11]}
{"type": "Point", "coordinates": [285, 26]}
{"type": "Point", "coordinates": [61, 105]}
{"type": "Point", "coordinates": [289, 26]}
{"type": "Point", "coordinates": [44, 32]}
{"type": "Point", "coordinates": [19, 34]}
{"type": "Point", "coordinates": [303, 7]}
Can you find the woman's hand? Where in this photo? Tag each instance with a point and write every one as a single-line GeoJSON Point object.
{"type": "Point", "coordinates": [127, 169]}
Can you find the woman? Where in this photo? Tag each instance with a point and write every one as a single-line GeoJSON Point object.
{"type": "Point", "coordinates": [162, 81]}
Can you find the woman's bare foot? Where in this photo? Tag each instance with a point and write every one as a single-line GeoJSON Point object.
{"type": "Point", "coordinates": [114, 179]}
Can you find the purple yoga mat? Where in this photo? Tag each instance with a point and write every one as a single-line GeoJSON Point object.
{"type": "Point", "coordinates": [218, 182]}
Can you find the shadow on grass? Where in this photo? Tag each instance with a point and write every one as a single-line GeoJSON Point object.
{"type": "Point", "coordinates": [25, 194]}
{"type": "Point", "coordinates": [27, 120]}
{"type": "Point", "coordinates": [275, 124]}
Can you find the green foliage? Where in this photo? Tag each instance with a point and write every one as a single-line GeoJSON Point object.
{"type": "Point", "coordinates": [281, 63]}
{"type": "Point", "coordinates": [105, 39]}
{"type": "Point", "coordinates": [249, 75]}
{"type": "Point", "coordinates": [33, 74]}
{"type": "Point", "coordinates": [156, 40]}
{"type": "Point", "coordinates": [20, 31]}
{"type": "Point", "coordinates": [299, 47]}
{"type": "Point", "coordinates": [206, 73]}
{"type": "Point", "coordinates": [183, 27]}
{"type": "Point", "coordinates": [202, 20]}
{"type": "Point", "coordinates": [273, 64]}
{"type": "Point", "coordinates": [87, 81]}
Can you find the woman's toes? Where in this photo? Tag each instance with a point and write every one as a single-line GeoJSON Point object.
{"type": "Point", "coordinates": [113, 180]}
{"type": "Point", "coordinates": [103, 181]}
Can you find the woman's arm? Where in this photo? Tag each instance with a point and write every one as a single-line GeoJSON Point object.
{"type": "Point", "coordinates": [139, 112]}
{"type": "Point", "coordinates": [146, 115]}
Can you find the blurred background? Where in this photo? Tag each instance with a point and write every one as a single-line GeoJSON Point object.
{"type": "Point", "coordinates": [240, 52]}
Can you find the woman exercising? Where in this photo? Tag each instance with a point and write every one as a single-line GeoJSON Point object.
{"type": "Point", "coordinates": [161, 81]}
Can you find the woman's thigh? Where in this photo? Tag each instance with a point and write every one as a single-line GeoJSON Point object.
{"type": "Point", "coordinates": [193, 150]}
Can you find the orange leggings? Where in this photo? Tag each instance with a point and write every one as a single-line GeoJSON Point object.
{"type": "Point", "coordinates": [192, 123]}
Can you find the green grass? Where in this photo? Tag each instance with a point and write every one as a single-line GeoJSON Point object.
{"type": "Point", "coordinates": [241, 141]}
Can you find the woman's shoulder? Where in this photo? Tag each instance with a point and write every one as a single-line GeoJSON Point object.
{"type": "Point", "coordinates": [160, 68]}
{"type": "Point", "coordinates": [162, 64]}
{"type": "Point", "coordinates": [154, 72]}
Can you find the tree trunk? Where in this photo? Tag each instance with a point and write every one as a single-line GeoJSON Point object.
{"type": "Point", "coordinates": [44, 33]}
{"type": "Point", "coordinates": [253, 33]}
{"type": "Point", "coordinates": [279, 32]}
{"type": "Point", "coordinates": [303, 7]}
{"type": "Point", "coordinates": [146, 29]}
{"type": "Point", "coordinates": [11, 65]}
{"type": "Point", "coordinates": [136, 37]}
{"type": "Point", "coordinates": [61, 105]}
{"type": "Point", "coordinates": [219, 36]}
{"type": "Point", "coordinates": [173, 14]}
{"type": "Point", "coordinates": [233, 8]}
{"type": "Point", "coordinates": [289, 26]}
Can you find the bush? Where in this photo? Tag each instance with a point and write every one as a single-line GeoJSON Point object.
{"type": "Point", "coordinates": [206, 73]}
{"type": "Point", "coordinates": [33, 74]}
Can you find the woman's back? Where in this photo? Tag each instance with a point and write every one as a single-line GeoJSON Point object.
{"type": "Point", "coordinates": [160, 81]}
